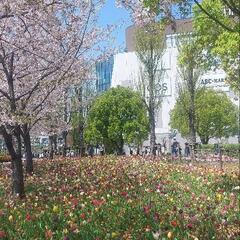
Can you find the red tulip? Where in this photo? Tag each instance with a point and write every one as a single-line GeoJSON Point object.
{"type": "Point", "coordinates": [28, 217]}
{"type": "Point", "coordinates": [97, 202]}
{"type": "Point", "coordinates": [174, 223]}
{"type": "Point", "coordinates": [3, 234]}
{"type": "Point", "coordinates": [147, 209]}
{"type": "Point", "coordinates": [190, 226]}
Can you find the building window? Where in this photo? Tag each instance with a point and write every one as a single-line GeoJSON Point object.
{"type": "Point", "coordinates": [104, 74]}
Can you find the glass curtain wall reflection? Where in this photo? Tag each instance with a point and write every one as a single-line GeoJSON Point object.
{"type": "Point", "coordinates": [104, 74]}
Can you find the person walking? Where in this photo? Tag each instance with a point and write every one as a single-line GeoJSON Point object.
{"type": "Point", "coordinates": [187, 150]}
{"type": "Point", "coordinates": [101, 150]}
{"type": "Point", "coordinates": [175, 147]}
{"type": "Point", "coordinates": [90, 150]}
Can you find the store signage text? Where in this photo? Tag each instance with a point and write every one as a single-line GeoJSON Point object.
{"type": "Point", "coordinates": [207, 81]}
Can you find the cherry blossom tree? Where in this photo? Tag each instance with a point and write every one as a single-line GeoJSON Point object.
{"type": "Point", "coordinates": [53, 122]}
{"type": "Point", "coordinates": [139, 13]}
{"type": "Point", "coordinates": [44, 46]}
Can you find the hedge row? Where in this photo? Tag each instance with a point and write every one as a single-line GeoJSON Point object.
{"type": "Point", "coordinates": [231, 150]}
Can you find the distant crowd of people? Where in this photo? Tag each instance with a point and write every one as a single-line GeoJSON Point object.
{"type": "Point", "coordinates": [99, 150]}
{"type": "Point", "coordinates": [159, 149]}
{"type": "Point", "coordinates": [176, 149]}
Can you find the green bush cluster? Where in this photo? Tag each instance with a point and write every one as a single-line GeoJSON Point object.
{"type": "Point", "coordinates": [231, 150]}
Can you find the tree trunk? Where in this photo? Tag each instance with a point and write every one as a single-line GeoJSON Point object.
{"type": "Point", "coordinates": [28, 152]}
{"type": "Point", "coordinates": [192, 121]}
{"type": "Point", "coordinates": [17, 167]}
{"type": "Point", "coordinates": [81, 142]}
{"type": "Point", "coordinates": [151, 107]}
{"type": "Point", "coordinates": [55, 143]}
{"type": "Point", "coordinates": [28, 148]}
{"type": "Point", "coordinates": [81, 124]}
{"type": "Point", "coordinates": [64, 135]}
{"type": "Point", "coordinates": [152, 131]}
{"type": "Point", "coordinates": [51, 147]}
{"type": "Point", "coordinates": [152, 137]}
{"type": "Point", "coordinates": [17, 175]}
{"type": "Point", "coordinates": [120, 146]}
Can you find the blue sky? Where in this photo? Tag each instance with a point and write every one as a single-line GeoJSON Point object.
{"type": "Point", "coordinates": [110, 14]}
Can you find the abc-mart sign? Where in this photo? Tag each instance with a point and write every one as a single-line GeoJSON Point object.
{"type": "Point", "coordinates": [215, 80]}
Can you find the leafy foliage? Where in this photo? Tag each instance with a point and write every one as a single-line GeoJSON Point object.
{"type": "Point", "coordinates": [189, 70]}
{"type": "Point", "coordinates": [77, 120]}
{"type": "Point", "coordinates": [231, 150]}
{"type": "Point", "coordinates": [150, 47]}
{"type": "Point", "coordinates": [167, 9]}
{"type": "Point", "coordinates": [216, 115]}
{"type": "Point", "coordinates": [118, 116]}
{"type": "Point", "coordinates": [221, 46]}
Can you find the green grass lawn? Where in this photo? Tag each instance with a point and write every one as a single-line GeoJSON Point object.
{"type": "Point", "coordinates": [122, 198]}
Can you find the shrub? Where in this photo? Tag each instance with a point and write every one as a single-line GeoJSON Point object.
{"type": "Point", "coordinates": [231, 150]}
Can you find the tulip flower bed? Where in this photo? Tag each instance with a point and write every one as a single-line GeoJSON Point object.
{"type": "Point", "coordinates": [122, 198]}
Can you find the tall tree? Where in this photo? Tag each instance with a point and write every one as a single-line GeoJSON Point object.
{"type": "Point", "coordinates": [150, 46]}
{"type": "Point", "coordinates": [189, 71]}
{"type": "Point", "coordinates": [117, 117]}
{"type": "Point", "coordinates": [216, 115]}
{"type": "Point", "coordinates": [43, 44]}
{"type": "Point", "coordinates": [83, 97]}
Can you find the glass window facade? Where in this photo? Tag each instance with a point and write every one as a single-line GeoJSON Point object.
{"type": "Point", "coordinates": [104, 71]}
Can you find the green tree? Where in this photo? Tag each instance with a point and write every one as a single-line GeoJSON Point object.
{"type": "Point", "coordinates": [216, 115]}
{"type": "Point", "coordinates": [150, 47]}
{"type": "Point", "coordinates": [207, 7]}
{"type": "Point", "coordinates": [190, 71]}
{"type": "Point", "coordinates": [76, 123]}
{"type": "Point", "coordinates": [83, 95]}
{"type": "Point", "coordinates": [221, 46]}
{"type": "Point", "coordinates": [77, 119]}
{"type": "Point", "coordinates": [117, 117]}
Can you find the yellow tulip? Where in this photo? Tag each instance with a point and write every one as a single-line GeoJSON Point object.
{"type": "Point", "coordinates": [10, 218]}
{"type": "Point", "coordinates": [55, 209]}
{"type": "Point", "coordinates": [219, 197]}
{"type": "Point", "coordinates": [169, 235]}
{"type": "Point", "coordinates": [114, 234]}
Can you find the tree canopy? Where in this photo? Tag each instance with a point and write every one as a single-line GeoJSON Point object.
{"type": "Point", "coordinates": [207, 7]}
{"type": "Point", "coordinates": [221, 46]}
{"type": "Point", "coordinates": [117, 117]}
{"type": "Point", "coordinates": [216, 115]}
